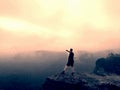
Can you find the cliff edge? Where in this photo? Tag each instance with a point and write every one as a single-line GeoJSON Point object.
{"type": "Point", "coordinates": [82, 82]}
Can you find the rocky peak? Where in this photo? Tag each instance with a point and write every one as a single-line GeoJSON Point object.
{"type": "Point", "coordinates": [108, 65]}
{"type": "Point", "coordinates": [81, 82]}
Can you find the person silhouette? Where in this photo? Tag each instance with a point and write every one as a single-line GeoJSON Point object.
{"type": "Point", "coordinates": [70, 62]}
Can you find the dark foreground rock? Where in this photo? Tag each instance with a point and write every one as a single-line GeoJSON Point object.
{"type": "Point", "coordinates": [82, 82]}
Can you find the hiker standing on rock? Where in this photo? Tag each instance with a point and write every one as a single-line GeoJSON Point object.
{"type": "Point", "coordinates": [70, 62]}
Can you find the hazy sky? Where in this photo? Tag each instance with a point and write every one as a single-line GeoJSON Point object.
{"type": "Point", "coordinates": [27, 25]}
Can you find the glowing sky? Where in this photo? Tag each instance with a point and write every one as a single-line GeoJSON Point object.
{"type": "Point", "coordinates": [27, 25]}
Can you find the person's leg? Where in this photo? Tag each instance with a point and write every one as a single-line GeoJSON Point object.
{"type": "Point", "coordinates": [73, 70]}
{"type": "Point", "coordinates": [64, 70]}
{"type": "Point", "coordinates": [72, 67]}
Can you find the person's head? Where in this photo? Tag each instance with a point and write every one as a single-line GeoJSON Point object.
{"type": "Point", "coordinates": [71, 49]}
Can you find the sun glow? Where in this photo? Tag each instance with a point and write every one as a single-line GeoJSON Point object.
{"type": "Point", "coordinates": [59, 24]}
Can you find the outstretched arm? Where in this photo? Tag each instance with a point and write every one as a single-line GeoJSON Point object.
{"type": "Point", "coordinates": [68, 51]}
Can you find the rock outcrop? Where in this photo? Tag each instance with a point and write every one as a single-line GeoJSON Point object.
{"type": "Point", "coordinates": [82, 82]}
{"type": "Point", "coordinates": [108, 65]}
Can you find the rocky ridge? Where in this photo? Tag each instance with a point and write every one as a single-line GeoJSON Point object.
{"type": "Point", "coordinates": [82, 82]}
